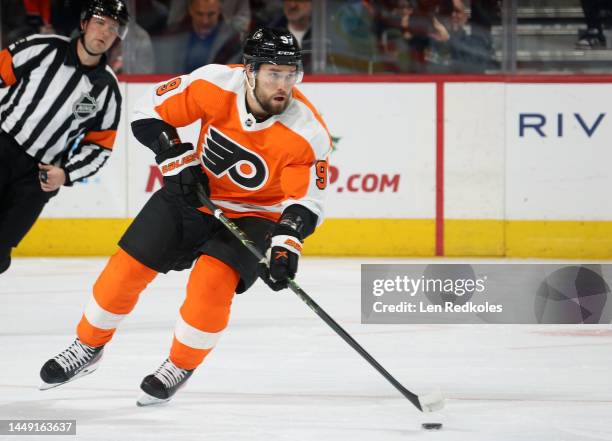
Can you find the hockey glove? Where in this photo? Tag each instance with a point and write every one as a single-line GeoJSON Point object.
{"type": "Point", "coordinates": [282, 255]}
{"type": "Point", "coordinates": [180, 166]}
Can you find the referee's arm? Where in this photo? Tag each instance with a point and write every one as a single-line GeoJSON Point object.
{"type": "Point", "coordinates": [7, 73]}
{"type": "Point", "coordinates": [97, 144]}
{"type": "Point", "coordinates": [21, 57]}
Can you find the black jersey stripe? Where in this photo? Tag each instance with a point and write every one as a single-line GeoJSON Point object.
{"type": "Point", "coordinates": [117, 97]}
{"type": "Point", "coordinates": [50, 113]}
{"type": "Point", "coordinates": [62, 156]}
{"type": "Point", "coordinates": [29, 65]}
{"type": "Point", "coordinates": [22, 85]}
{"type": "Point", "coordinates": [93, 170]}
{"type": "Point", "coordinates": [18, 95]}
{"type": "Point", "coordinates": [8, 95]}
{"type": "Point", "coordinates": [40, 91]}
{"type": "Point", "coordinates": [90, 156]}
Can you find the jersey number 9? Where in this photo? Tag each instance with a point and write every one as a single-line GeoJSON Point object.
{"type": "Point", "coordinates": [321, 170]}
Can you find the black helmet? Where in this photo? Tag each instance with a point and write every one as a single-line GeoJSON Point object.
{"type": "Point", "coordinates": [115, 9]}
{"type": "Point", "coordinates": [274, 46]}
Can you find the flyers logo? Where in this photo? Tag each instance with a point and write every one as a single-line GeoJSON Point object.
{"type": "Point", "coordinates": [222, 156]}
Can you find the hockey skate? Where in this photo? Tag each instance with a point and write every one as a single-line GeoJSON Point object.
{"type": "Point", "coordinates": [159, 387]}
{"type": "Point", "coordinates": [72, 363]}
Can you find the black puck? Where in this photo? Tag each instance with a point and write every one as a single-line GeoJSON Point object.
{"type": "Point", "coordinates": [431, 426]}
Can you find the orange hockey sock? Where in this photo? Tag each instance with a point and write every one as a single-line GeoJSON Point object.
{"type": "Point", "coordinates": [115, 294]}
{"type": "Point", "coordinates": [205, 311]}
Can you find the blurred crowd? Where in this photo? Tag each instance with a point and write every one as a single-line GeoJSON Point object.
{"type": "Point", "coordinates": [177, 36]}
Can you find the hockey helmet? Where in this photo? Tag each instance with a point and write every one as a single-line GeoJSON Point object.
{"type": "Point", "coordinates": [115, 9]}
{"type": "Point", "coordinates": [273, 46]}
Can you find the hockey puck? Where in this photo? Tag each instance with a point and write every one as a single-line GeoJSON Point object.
{"type": "Point", "coordinates": [431, 426]}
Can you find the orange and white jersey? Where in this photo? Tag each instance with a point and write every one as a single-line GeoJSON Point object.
{"type": "Point", "coordinates": [254, 168]}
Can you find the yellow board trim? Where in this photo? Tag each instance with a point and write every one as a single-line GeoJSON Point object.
{"type": "Point", "coordinates": [366, 237]}
{"type": "Point", "coordinates": [559, 239]}
{"type": "Point", "coordinates": [543, 239]}
{"type": "Point", "coordinates": [73, 237]}
{"type": "Point", "coordinates": [474, 237]}
{"type": "Point", "coordinates": [336, 237]}
{"type": "Point", "coordinates": [373, 237]}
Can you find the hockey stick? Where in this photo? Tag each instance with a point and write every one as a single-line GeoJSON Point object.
{"type": "Point", "coordinates": [425, 403]}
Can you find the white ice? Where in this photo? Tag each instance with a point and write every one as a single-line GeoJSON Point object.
{"type": "Point", "coordinates": [279, 373]}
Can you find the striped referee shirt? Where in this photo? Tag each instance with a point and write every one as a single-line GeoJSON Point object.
{"type": "Point", "coordinates": [53, 100]}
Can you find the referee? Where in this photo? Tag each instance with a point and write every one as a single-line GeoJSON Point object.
{"type": "Point", "coordinates": [59, 91]}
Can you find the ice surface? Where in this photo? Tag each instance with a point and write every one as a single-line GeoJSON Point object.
{"type": "Point", "coordinates": [279, 373]}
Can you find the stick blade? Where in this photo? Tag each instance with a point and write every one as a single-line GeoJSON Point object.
{"type": "Point", "coordinates": [432, 402]}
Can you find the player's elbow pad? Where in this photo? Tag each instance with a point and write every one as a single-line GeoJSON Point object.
{"type": "Point", "coordinates": [147, 132]}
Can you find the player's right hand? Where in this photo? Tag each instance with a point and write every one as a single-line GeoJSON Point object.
{"type": "Point", "coordinates": [182, 172]}
{"type": "Point", "coordinates": [281, 258]}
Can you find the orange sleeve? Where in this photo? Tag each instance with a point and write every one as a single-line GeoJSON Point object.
{"type": "Point", "coordinates": [185, 107]}
{"type": "Point", "coordinates": [6, 68]}
{"type": "Point", "coordinates": [103, 138]}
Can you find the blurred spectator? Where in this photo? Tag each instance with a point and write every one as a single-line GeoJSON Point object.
{"type": "Point", "coordinates": [465, 51]}
{"type": "Point", "coordinates": [134, 55]}
{"type": "Point", "coordinates": [408, 26]}
{"type": "Point", "coordinates": [297, 17]}
{"type": "Point", "coordinates": [485, 13]}
{"type": "Point", "coordinates": [236, 13]}
{"type": "Point", "coordinates": [14, 24]}
{"type": "Point", "coordinates": [202, 38]}
{"type": "Point", "coordinates": [265, 12]}
{"type": "Point", "coordinates": [39, 16]}
{"type": "Point", "coordinates": [65, 16]}
{"type": "Point", "coordinates": [351, 43]}
{"type": "Point", "coordinates": [151, 15]}
{"type": "Point", "coordinates": [593, 37]}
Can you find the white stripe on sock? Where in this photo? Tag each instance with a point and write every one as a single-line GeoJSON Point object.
{"type": "Point", "coordinates": [101, 318]}
{"type": "Point", "coordinates": [194, 338]}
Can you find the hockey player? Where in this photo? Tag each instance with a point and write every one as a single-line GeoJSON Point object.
{"type": "Point", "coordinates": [59, 90]}
{"type": "Point", "coordinates": [261, 156]}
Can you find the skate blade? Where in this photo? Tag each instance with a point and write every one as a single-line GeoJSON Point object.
{"type": "Point", "coordinates": [86, 371]}
{"type": "Point", "coordinates": [148, 400]}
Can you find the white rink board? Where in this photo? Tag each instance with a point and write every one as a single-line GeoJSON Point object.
{"type": "Point", "coordinates": [384, 145]}
{"type": "Point", "coordinates": [564, 175]}
{"type": "Point", "coordinates": [474, 138]}
{"type": "Point", "coordinates": [384, 130]}
{"type": "Point", "coordinates": [103, 195]}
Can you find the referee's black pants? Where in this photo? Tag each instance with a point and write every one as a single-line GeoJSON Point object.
{"type": "Point", "coordinates": [21, 198]}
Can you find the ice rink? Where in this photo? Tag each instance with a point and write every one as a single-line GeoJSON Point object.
{"type": "Point", "coordinates": [279, 373]}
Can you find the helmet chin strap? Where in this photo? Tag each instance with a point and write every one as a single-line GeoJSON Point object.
{"type": "Point", "coordinates": [93, 54]}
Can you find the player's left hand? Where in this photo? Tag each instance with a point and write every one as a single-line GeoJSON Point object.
{"type": "Point", "coordinates": [55, 177]}
{"type": "Point", "coordinates": [282, 255]}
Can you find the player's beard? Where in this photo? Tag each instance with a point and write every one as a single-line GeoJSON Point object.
{"type": "Point", "coordinates": [268, 104]}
